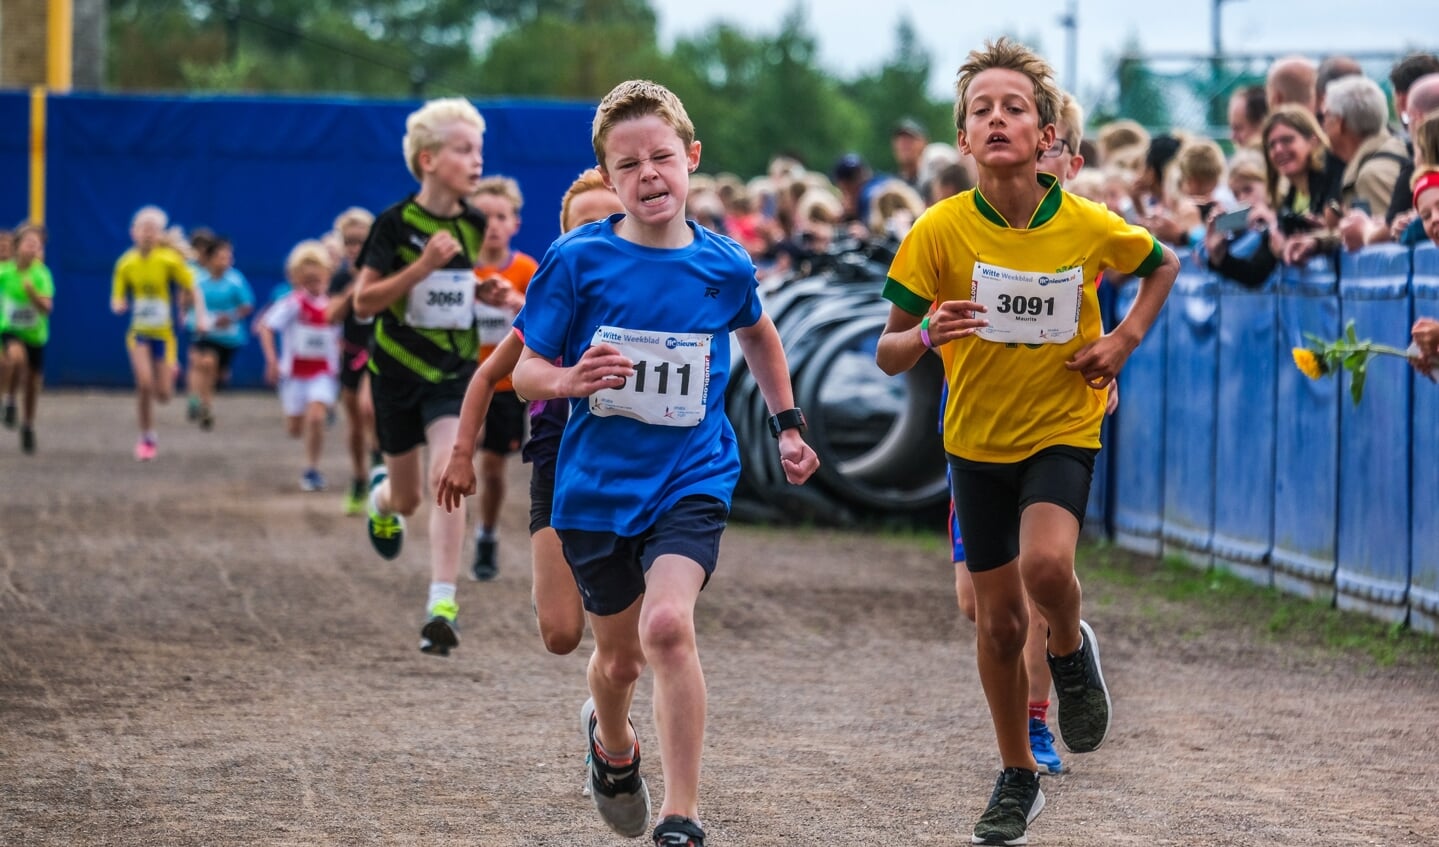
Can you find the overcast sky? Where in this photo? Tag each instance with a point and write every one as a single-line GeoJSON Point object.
{"type": "Point", "coordinates": [858, 35]}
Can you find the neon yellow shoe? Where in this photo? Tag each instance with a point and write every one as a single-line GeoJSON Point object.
{"type": "Point", "coordinates": [356, 499]}
{"type": "Point", "coordinates": [441, 633]}
{"type": "Point", "coordinates": [387, 532]}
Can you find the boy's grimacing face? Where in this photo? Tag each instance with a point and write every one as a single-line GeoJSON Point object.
{"type": "Point", "coordinates": [459, 162]}
{"type": "Point", "coordinates": [648, 166]}
{"type": "Point", "coordinates": [1001, 122]}
{"type": "Point", "coordinates": [501, 220]}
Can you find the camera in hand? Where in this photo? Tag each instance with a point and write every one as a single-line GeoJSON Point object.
{"type": "Point", "coordinates": [1292, 223]}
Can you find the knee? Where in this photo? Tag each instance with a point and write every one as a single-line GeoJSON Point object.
{"type": "Point", "coordinates": [561, 639]}
{"type": "Point", "coordinates": [293, 427]}
{"type": "Point", "coordinates": [620, 669]}
{"type": "Point", "coordinates": [666, 630]}
{"type": "Point", "coordinates": [404, 502]}
{"type": "Point", "coordinates": [1049, 578]}
{"type": "Point", "coordinates": [1003, 631]}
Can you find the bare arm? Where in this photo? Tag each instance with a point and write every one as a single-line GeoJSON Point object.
{"type": "Point", "coordinates": [267, 346]}
{"type": "Point", "coordinates": [600, 367]}
{"type": "Point", "coordinates": [1099, 363]}
{"type": "Point", "coordinates": [374, 294]}
{"type": "Point", "coordinates": [764, 354]}
{"type": "Point", "coordinates": [900, 344]}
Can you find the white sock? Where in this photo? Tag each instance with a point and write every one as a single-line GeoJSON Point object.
{"type": "Point", "coordinates": [375, 502]}
{"type": "Point", "coordinates": [485, 533]}
{"type": "Point", "coordinates": [441, 591]}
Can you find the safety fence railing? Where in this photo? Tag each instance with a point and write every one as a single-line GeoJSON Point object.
{"type": "Point", "coordinates": [1222, 452]}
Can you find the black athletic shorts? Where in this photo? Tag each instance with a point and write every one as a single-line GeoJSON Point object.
{"type": "Point", "coordinates": [224, 355]}
{"type": "Point", "coordinates": [504, 424]}
{"type": "Point", "coordinates": [990, 496]}
{"type": "Point", "coordinates": [542, 495]}
{"type": "Point", "coordinates": [610, 569]}
{"type": "Point", "coordinates": [404, 407]}
{"type": "Point", "coordinates": [34, 353]}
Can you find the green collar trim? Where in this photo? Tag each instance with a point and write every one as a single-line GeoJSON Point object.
{"type": "Point", "coordinates": [1046, 210]}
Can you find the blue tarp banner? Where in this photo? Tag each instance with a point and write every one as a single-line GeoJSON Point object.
{"type": "Point", "coordinates": [14, 158]}
{"type": "Point", "coordinates": [267, 172]}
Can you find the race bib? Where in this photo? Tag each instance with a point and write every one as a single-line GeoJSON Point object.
{"type": "Point", "coordinates": [150, 313]}
{"type": "Point", "coordinates": [313, 342]}
{"type": "Point", "coordinates": [492, 323]}
{"type": "Point", "coordinates": [1027, 307]}
{"type": "Point", "coordinates": [671, 381]}
{"type": "Point", "coordinates": [443, 300]}
{"type": "Point", "coordinates": [23, 317]}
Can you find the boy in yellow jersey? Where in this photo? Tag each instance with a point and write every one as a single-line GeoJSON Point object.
{"type": "Point", "coordinates": [1027, 364]}
{"type": "Point", "coordinates": [143, 277]}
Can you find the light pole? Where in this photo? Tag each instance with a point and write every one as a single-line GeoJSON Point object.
{"type": "Point", "coordinates": [1070, 21]}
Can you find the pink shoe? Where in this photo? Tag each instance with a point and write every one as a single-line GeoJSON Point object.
{"type": "Point", "coordinates": [144, 450]}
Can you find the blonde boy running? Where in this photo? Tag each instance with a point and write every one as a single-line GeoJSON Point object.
{"type": "Point", "coordinates": [306, 371]}
{"type": "Point", "coordinates": [558, 610]}
{"type": "Point", "coordinates": [648, 461]}
{"type": "Point", "coordinates": [143, 277]}
{"type": "Point", "coordinates": [416, 279]}
{"type": "Point", "coordinates": [1027, 363]}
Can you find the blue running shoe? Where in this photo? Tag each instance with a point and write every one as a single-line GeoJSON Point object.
{"type": "Point", "coordinates": [1041, 742]}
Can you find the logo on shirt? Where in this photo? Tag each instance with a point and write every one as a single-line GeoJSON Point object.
{"type": "Point", "coordinates": [671, 343]}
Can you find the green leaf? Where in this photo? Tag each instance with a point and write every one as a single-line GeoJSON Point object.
{"type": "Point", "coordinates": [1349, 333]}
{"type": "Point", "coordinates": [1355, 361]}
{"type": "Point", "coordinates": [1356, 385]}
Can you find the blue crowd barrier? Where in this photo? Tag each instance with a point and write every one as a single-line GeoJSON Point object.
{"type": "Point", "coordinates": [1098, 512]}
{"type": "Point", "coordinates": [1192, 323]}
{"type": "Point", "coordinates": [1244, 431]}
{"type": "Point", "coordinates": [1424, 462]}
{"type": "Point", "coordinates": [1373, 561]}
{"type": "Point", "coordinates": [1137, 458]}
{"type": "Point", "coordinates": [1306, 437]}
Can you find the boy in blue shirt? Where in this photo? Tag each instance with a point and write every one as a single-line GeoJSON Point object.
{"type": "Point", "coordinates": [643, 305]}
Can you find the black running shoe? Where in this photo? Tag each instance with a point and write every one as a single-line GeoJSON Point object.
{"type": "Point", "coordinates": [619, 792]}
{"type": "Point", "coordinates": [679, 831]}
{"type": "Point", "coordinates": [486, 567]}
{"type": "Point", "coordinates": [10, 414]}
{"type": "Point", "coordinates": [441, 633]}
{"type": "Point", "coordinates": [27, 439]}
{"type": "Point", "coordinates": [1084, 706]}
{"type": "Point", "coordinates": [387, 532]}
{"type": "Point", "coordinates": [1015, 802]}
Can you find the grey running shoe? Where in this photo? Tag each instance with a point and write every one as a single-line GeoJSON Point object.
{"type": "Point", "coordinates": [679, 831]}
{"type": "Point", "coordinates": [1084, 705]}
{"type": "Point", "coordinates": [1016, 802]}
{"type": "Point", "coordinates": [619, 792]}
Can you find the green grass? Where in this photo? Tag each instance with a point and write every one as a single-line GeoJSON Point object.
{"type": "Point", "coordinates": [1227, 599]}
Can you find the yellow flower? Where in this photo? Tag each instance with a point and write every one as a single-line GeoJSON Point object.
{"type": "Point", "coordinates": [1307, 362]}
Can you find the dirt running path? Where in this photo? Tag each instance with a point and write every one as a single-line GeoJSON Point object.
{"type": "Point", "coordinates": [194, 653]}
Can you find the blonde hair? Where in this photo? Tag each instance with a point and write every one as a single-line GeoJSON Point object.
{"type": "Point", "coordinates": [309, 252]}
{"type": "Point", "coordinates": [1121, 135]}
{"type": "Point", "coordinates": [818, 205]}
{"type": "Point", "coordinates": [354, 216]}
{"type": "Point", "coordinates": [1089, 184]}
{"type": "Point", "coordinates": [1013, 56]}
{"type": "Point", "coordinates": [154, 213]}
{"type": "Point", "coordinates": [637, 98]}
{"type": "Point", "coordinates": [1200, 159]}
{"type": "Point", "coordinates": [589, 180]}
{"type": "Point", "coordinates": [1071, 114]}
{"type": "Point", "coordinates": [1247, 165]}
{"type": "Point", "coordinates": [891, 198]}
{"type": "Point", "coordinates": [426, 126]}
{"type": "Point", "coordinates": [502, 186]}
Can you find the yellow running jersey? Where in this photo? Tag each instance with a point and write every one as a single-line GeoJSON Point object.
{"type": "Point", "coordinates": [1010, 395]}
{"type": "Point", "coordinates": [146, 280]}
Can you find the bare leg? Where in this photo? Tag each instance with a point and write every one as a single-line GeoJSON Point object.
{"type": "Point", "coordinates": [1002, 624]}
{"type": "Point", "coordinates": [667, 634]}
{"type": "Point", "coordinates": [557, 600]}
{"type": "Point", "coordinates": [447, 529]}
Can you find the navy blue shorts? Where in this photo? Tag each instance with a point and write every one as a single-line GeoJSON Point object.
{"type": "Point", "coordinates": [542, 496]}
{"type": "Point", "coordinates": [988, 498]}
{"type": "Point", "coordinates": [610, 569]}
